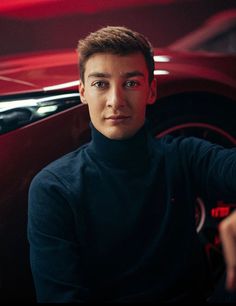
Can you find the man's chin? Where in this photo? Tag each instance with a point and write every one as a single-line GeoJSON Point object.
{"type": "Point", "coordinates": [116, 133]}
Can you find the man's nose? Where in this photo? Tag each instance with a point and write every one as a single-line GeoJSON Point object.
{"type": "Point", "coordinates": [116, 98]}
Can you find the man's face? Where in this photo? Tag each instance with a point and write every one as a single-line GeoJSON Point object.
{"type": "Point", "coordinates": [117, 90]}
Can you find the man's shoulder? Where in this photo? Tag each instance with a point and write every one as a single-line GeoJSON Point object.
{"type": "Point", "coordinates": [65, 168]}
{"type": "Point", "coordinates": [183, 141]}
{"type": "Point", "coordinates": [69, 160]}
{"type": "Point", "coordinates": [182, 145]}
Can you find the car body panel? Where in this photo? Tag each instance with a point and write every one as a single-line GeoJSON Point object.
{"type": "Point", "coordinates": [50, 71]}
{"type": "Point", "coordinates": [33, 72]}
{"type": "Point", "coordinates": [22, 148]}
{"type": "Point", "coordinates": [184, 75]}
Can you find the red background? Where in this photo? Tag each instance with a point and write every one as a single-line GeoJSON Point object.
{"type": "Point", "coordinates": [33, 25]}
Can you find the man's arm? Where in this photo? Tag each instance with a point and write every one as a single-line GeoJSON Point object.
{"type": "Point", "coordinates": [214, 170]}
{"type": "Point", "coordinates": [54, 249]}
{"type": "Point", "coordinates": [227, 230]}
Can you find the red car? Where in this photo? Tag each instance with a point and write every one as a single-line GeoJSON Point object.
{"type": "Point", "coordinates": [41, 118]}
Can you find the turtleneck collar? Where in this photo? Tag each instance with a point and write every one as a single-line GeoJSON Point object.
{"type": "Point", "coordinates": [126, 153]}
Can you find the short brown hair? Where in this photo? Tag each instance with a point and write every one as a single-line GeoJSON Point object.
{"type": "Point", "coordinates": [115, 40]}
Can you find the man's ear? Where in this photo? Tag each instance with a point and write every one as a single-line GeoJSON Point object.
{"type": "Point", "coordinates": [82, 92]}
{"type": "Point", "coordinates": [153, 92]}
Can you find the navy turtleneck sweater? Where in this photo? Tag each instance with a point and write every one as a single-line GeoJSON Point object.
{"type": "Point", "coordinates": [114, 220]}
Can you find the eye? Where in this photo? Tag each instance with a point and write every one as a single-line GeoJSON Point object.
{"type": "Point", "coordinates": [100, 84]}
{"type": "Point", "coordinates": [131, 83]}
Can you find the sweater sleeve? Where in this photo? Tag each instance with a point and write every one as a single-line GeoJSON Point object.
{"type": "Point", "coordinates": [212, 167]}
{"type": "Point", "coordinates": [54, 249]}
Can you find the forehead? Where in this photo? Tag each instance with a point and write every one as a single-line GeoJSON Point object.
{"type": "Point", "coordinates": [116, 64]}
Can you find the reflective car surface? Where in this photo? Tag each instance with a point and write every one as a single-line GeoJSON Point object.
{"type": "Point", "coordinates": [41, 118]}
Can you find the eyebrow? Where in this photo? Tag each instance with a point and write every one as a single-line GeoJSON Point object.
{"type": "Point", "coordinates": [108, 75]}
{"type": "Point", "coordinates": [133, 74]}
{"type": "Point", "coordinates": [99, 75]}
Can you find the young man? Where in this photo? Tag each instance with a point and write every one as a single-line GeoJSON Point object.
{"type": "Point", "coordinates": [108, 222]}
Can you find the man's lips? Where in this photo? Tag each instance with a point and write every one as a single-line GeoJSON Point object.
{"type": "Point", "coordinates": [117, 117]}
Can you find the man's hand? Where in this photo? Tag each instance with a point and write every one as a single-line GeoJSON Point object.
{"type": "Point", "coordinates": [227, 230]}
